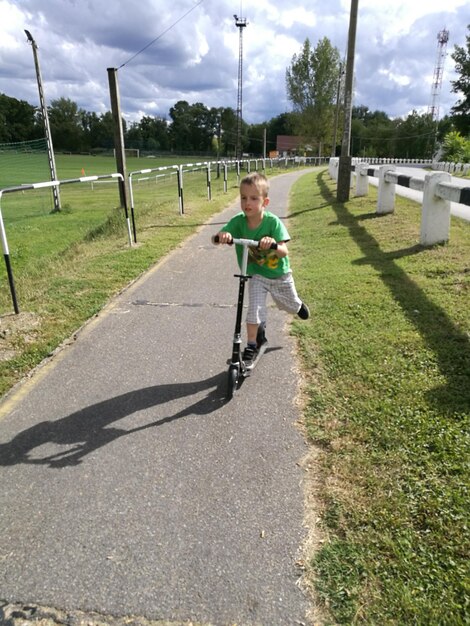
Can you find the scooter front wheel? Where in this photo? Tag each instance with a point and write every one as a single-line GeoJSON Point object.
{"type": "Point", "coordinates": [232, 381]}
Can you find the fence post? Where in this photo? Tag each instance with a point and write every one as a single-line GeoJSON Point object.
{"type": "Point", "coordinates": [362, 180]}
{"type": "Point", "coordinates": [6, 256]}
{"type": "Point", "coordinates": [208, 178]}
{"type": "Point", "coordinates": [435, 216]}
{"type": "Point", "coordinates": [180, 188]}
{"type": "Point", "coordinates": [386, 198]}
{"type": "Point", "coordinates": [333, 168]}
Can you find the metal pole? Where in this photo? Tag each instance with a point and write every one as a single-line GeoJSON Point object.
{"type": "Point", "coordinates": [45, 117]}
{"type": "Point", "coordinates": [179, 176]}
{"type": "Point", "coordinates": [208, 178]}
{"type": "Point", "coordinates": [344, 169]}
{"type": "Point", "coordinates": [6, 257]}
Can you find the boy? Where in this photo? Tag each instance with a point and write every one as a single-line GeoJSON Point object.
{"type": "Point", "coordinates": [270, 269]}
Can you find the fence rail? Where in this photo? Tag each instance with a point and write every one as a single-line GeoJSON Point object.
{"type": "Point", "coordinates": [438, 192]}
{"type": "Point", "coordinates": [43, 185]}
{"type": "Point", "coordinates": [211, 166]}
{"type": "Point", "coordinates": [171, 170]}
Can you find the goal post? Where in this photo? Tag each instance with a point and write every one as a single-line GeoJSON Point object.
{"type": "Point", "coordinates": [129, 152]}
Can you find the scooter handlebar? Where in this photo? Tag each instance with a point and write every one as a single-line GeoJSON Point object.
{"type": "Point", "coordinates": [244, 242]}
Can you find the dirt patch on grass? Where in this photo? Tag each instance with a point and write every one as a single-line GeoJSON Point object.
{"type": "Point", "coordinates": [16, 330]}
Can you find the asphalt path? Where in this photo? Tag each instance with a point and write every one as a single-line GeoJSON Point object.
{"type": "Point", "coordinates": [130, 487]}
{"type": "Point", "coordinates": [457, 210]}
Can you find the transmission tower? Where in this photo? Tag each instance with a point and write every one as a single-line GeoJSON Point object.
{"type": "Point", "coordinates": [240, 23]}
{"type": "Point", "coordinates": [442, 39]}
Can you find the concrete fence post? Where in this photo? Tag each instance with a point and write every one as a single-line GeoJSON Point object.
{"type": "Point", "coordinates": [386, 197]}
{"type": "Point", "coordinates": [333, 168]}
{"type": "Point", "coordinates": [435, 215]}
{"type": "Point", "coordinates": [362, 180]}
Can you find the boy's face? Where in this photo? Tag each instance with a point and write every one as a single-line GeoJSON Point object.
{"type": "Point", "coordinates": [252, 201]}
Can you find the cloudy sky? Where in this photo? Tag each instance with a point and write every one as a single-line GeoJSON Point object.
{"type": "Point", "coordinates": [195, 55]}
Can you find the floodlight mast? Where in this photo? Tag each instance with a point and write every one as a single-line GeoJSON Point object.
{"type": "Point", "coordinates": [240, 23]}
{"type": "Point", "coordinates": [45, 117]}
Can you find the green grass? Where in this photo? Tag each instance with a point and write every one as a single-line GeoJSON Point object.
{"type": "Point", "coordinates": [18, 169]}
{"type": "Point", "coordinates": [386, 357]}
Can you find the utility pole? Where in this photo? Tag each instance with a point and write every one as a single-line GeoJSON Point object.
{"type": "Point", "coordinates": [338, 92]}
{"type": "Point", "coordinates": [344, 170]}
{"type": "Point", "coordinates": [45, 118]}
{"type": "Point", "coordinates": [118, 134]}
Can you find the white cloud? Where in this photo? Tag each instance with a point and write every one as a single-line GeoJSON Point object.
{"type": "Point", "coordinates": [197, 59]}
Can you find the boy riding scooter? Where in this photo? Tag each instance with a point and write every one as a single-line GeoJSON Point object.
{"type": "Point", "coordinates": [269, 268]}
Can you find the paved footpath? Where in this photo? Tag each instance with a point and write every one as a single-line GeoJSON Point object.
{"type": "Point", "coordinates": [130, 487]}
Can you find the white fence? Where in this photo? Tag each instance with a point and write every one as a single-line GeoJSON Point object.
{"type": "Point", "coordinates": [179, 170]}
{"type": "Point", "coordinates": [438, 193]}
{"type": "Point", "coordinates": [50, 183]}
{"type": "Point", "coordinates": [452, 168]}
{"type": "Point", "coordinates": [259, 164]}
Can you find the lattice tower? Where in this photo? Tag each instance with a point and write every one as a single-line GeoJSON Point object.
{"type": "Point", "coordinates": [240, 23]}
{"type": "Point", "coordinates": [442, 39]}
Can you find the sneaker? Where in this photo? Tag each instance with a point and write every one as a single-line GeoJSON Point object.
{"type": "Point", "coordinates": [303, 312]}
{"type": "Point", "coordinates": [249, 356]}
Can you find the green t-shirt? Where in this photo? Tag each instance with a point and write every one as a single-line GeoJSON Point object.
{"type": "Point", "coordinates": [264, 262]}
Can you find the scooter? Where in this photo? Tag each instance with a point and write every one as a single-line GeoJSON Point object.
{"type": "Point", "coordinates": [238, 370]}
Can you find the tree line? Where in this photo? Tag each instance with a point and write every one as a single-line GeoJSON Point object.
{"type": "Point", "coordinates": [314, 85]}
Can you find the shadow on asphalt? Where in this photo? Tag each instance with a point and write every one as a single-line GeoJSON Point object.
{"type": "Point", "coordinates": [89, 428]}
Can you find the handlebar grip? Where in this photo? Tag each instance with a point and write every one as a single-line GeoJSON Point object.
{"type": "Point", "coordinates": [215, 239]}
{"type": "Point", "coordinates": [273, 246]}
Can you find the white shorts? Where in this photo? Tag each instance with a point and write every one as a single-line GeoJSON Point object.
{"type": "Point", "coordinates": [282, 291]}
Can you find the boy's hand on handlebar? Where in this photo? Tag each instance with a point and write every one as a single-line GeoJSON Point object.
{"type": "Point", "coordinates": [266, 243]}
{"type": "Point", "coordinates": [223, 237]}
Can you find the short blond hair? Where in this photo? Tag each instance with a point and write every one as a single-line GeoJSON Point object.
{"type": "Point", "coordinates": [259, 181]}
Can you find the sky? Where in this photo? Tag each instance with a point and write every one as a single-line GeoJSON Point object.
{"type": "Point", "coordinates": [191, 52]}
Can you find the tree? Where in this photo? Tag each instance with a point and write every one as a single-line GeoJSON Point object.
{"type": "Point", "coordinates": [66, 128]}
{"type": "Point", "coordinates": [461, 110]}
{"type": "Point", "coordinates": [180, 126]}
{"type": "Point", "coordinates": [456, 148]}
{"type": "Point", "coordinates": [311, 82]}
{"type": "Point", "coordinates": [228, 124]}
{"type": "Point", "coordinates": [18, 121]}
{"type": "Point", "coordinates": [154, 134]}
{"type": "Point", "coordinates": [372, 133]}
{"type": "Point", "coordinates": [415, 136]}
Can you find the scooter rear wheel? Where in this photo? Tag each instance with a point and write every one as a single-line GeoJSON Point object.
{"type": "Point", "coordinates": [232, 381]}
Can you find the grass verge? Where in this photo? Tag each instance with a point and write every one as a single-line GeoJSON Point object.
{"type": "Point", "coordinates": [386, 357]}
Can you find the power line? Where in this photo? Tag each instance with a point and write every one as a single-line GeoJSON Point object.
{"type": "Point", "coordinates": [161, 34]}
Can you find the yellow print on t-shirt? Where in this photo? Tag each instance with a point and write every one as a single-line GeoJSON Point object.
{"type": "Point", "coordinates": [263, 257]}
